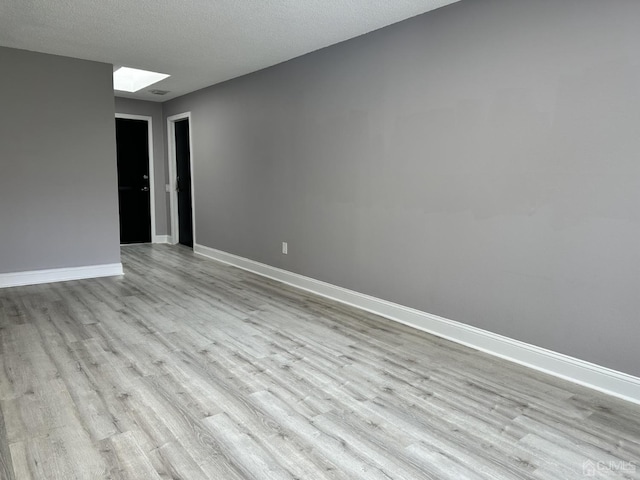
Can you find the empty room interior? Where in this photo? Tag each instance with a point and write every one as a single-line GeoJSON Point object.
{"type": "Point", "coordinates": [294, 239]}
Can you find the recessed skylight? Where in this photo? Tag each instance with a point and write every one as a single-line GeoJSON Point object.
{"type": "Point", "coordinates": [127, 79]}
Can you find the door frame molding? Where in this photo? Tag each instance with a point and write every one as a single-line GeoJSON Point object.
{"type": "Point", "coordinates": [173, 194]}
{"type": "Point", "coordinates": [152, 197]}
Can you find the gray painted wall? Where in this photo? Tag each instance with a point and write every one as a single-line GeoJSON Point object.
{"type": "Point", "coordinates": [58, 183]}
{"type": "Point", "coordinates": [161, 175]}
{"type": "Point", "coordinates": [479, 162]}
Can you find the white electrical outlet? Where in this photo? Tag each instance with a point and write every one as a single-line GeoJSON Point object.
{"type": "Point", "coordinates": [285, 248]}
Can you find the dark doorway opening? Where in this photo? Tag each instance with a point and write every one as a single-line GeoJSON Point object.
{"type": "Point", "coordinates": [183, 181]}
{"type": "Point", "coordinates": [134, 194]}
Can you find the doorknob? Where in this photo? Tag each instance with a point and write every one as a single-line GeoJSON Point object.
{"type": "Point", "coordinates": [145, 189]}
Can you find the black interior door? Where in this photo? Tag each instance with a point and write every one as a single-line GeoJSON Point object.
{"type": "Point", "coordinates": [133, 180]}
{"type": "Point", "coordinates": [183, 169]}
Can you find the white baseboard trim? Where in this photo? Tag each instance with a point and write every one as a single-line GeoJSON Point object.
{"type": "Point", "coordinates": [161, 239]}
{"type": "Point", "coordinates": [35, 277]}
{"type": "Point", "coordinates": [603, 379]}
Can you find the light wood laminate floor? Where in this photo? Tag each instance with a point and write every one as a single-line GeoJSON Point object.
{"type": "Point", "coordinates": [189, 369]}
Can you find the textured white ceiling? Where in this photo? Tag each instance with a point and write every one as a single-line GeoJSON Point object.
{"type": "Point", "coordinates": [198, 42]}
